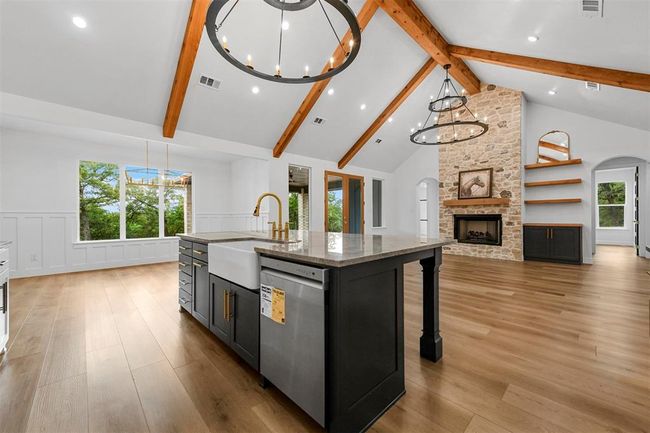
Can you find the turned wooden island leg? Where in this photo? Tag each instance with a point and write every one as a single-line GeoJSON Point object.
{"type": "Point", "coordinates": [431, 341]}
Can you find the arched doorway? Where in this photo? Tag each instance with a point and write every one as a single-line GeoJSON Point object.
{"type": "Point", "coordinates": [620, 210]}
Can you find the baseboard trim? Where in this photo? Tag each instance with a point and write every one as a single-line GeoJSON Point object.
{"type": "Point", "coordinates": [86, 268]}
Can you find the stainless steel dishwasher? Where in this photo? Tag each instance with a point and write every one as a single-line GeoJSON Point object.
{"type": "Point", "coordinates": [292, 332]}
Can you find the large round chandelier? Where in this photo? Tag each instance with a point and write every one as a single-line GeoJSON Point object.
{"type": "Point", "coordinates": [214, 23]}
{"type": "Point", "coordinates": [449, 119]}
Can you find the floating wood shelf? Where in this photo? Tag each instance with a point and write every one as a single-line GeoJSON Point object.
{"type": "Point", "coordinates": [478, 202]}
{"type": "Point", "coordinates": [553, 182]}
{"type": "Point", "coordinates": [553, 164]}
{"type": "Point", "coordinates": [554, 201]}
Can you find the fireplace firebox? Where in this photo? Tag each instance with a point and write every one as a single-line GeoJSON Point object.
{"type": "Point", "coordinates": [483, 229]}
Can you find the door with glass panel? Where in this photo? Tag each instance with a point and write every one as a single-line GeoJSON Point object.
{"type": "Point", "coordinates": [344, 203]}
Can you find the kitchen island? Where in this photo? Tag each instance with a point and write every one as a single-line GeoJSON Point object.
{"type": "Point", "coordinates": [357, 352]}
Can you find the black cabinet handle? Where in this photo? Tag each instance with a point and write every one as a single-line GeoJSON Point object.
{"type": "Point", "coordinates": [2, 263]}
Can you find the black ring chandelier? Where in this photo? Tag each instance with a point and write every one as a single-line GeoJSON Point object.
{"type": "Point", "coordinates": [453, 121]}
{"type": "Point", "coordinates": [334, 67]}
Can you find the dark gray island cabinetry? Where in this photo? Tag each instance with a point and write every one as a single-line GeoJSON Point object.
{"type": "Point", "coordinates": [326, 325]}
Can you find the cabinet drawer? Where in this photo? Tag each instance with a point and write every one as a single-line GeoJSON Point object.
{"type": "Point", "coordinates": [185, 300]}
{"type": "Point", "coordinates": [200, 251]}
{"type": "Point", "coordinates": [185, 264]}
{"type": "Point", "coordinates": [184, 247]}
{"type": "Point", "coordinates": [185, 282]}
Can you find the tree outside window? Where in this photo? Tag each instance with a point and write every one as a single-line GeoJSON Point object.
{"type": "Point", "coordinates": [100, 206]}
{"type": "Point", "coordinates": [99, 201]}
{"type": "Point", "coordinates": [611, 205]}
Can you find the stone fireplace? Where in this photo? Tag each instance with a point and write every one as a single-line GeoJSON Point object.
{"type": "Point", "coordinates": [499, 149]}
{"type": "Point", "coordinates": [478, 229]}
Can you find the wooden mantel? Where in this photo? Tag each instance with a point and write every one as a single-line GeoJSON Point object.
{"type": "Point", "coordinates": [478, 202]}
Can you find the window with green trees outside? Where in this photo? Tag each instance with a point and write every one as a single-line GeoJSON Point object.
{"type": "Point", "coordinates": [145, 197]}
{"type": "Point", "coordinates": [611, 205]}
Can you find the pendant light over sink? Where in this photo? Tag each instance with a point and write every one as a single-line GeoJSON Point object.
{"type": "Point", "coordinates": [350, 48]}
{"type": "Point", "coordinates": [449, 119]}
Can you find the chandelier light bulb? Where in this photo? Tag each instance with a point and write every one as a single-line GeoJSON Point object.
{"type": "Point", "coordinates": [277, 71]}
{"type": "Point", "coordinates": [331, 62]}
{"type": "Point", "coordinates": [485, 119]}
{"type": "Point", "coordinates": [462, 91]}
{"type": "Point", "coordinates": [249, 61]}
{"type": "Point", "coordinates": [351, 43]}
{"type": "Point", "coordinates": [424, 137]}
{"type": "Point", "coordinates": [412, 130]}
{"type": "Point", "coordinates": [285, 25]}
{"type": "Point", "coordinates": [225, 43]}
{"type": "Point", "coordinates": [447, 90]}
{"type": "Point", "coordinates": [419, 124]}
{"type": "Point", "coordinates": [435, 119]}
{"type": "Point", "coordinates": [330, 92]}
{"type": "Point", "coordinates": [438, 137]}
{"type": "Point", "coordinates": [363, 106]}
{"type": "Point", "coordinates": [390, 119]}
{"type": "Point", "coordinates": [306, 71]}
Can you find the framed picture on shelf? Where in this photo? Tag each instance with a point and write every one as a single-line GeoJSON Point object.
{"type": "Point", "coordinates": [475, 184]}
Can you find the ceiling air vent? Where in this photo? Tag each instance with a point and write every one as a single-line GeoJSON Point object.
{"type": "Point", "coordinates": [590, 85]}
{"type": "Point", "coordinates": [209, 82]}
{"type": "Point", "coordinates": [318, 121]}
{"type": "Point", "coordinates": [378, 140]}
{"type": "Point", "coordinates": [592, 8]}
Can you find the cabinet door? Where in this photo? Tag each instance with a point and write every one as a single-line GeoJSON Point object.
{"type": "Point", "coordinates": [245, 324]}
{"type": "Point", "coordinates": [201, 292]}
{"type": "Point", "coordinates": [536, 242]}
{"type": "Point", "coordinates": [219, 321]}
{"type": "Point", "coordinates": [566, 244]}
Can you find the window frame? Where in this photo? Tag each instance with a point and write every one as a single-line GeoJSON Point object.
{"type": "Point", "coordinates": [122, 184]}
{"type": "Point", "coordinates": [622, 205]}
{"type": "Point", "coordinates": [382, 223]}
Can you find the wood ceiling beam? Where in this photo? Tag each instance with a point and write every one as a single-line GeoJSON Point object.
{"type": "Point", "coordinates": [413, 83]}
{"type": "Point", "coordinates": [191, 40]}
{"type": "Point", "coordinates": [411, 19]}
{"type": "Point", "coordinates": [611, 77]}
{"type": "Point", "coordinates": [366, 12]}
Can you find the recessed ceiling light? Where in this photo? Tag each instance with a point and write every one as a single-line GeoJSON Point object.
{"type": "Point", "coordinates": [79, 22]}
{"type": "Point", "coordinates": [255, 90]}
{"type": "Point", "coordinates": [552, 92]}
{"type": "Point", "coordinates": [363, 106]}
{"type": "Point", "coordinates": [412, 130]}
{"type": "Point", "coordinates": [285, 25]}
{"type": "Point", "coordinates": [390, 119]}
{"type": "Point", "coordinates": [533, 38]}
{"type": "Point", "coordinates": [330, 92]}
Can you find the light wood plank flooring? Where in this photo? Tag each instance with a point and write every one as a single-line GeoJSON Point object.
{"type": "Point", "coordinates": [528, 347]}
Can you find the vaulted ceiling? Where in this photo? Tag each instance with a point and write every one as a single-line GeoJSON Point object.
{"type": "Point", "coordinates": [123, 65]}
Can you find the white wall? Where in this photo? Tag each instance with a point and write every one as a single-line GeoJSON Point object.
{"type": "Point", "coordinates": [39, 181]}
{"type": "Point", "coordinates": [617, 236]}
{"type": "Point", "coordinates": [421, 166]}
{"type": "Point", "coordinates": [279, 183]}
{"type": "Point", "coordinates": [593, 140]}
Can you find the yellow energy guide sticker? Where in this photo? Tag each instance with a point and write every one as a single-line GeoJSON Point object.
{"type": "Point", "coordinates": [277, 306]}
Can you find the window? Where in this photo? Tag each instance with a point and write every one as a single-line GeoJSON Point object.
{"type": "Point", "coordinates": [150, 206]}
{"type": "Point", "coordinates": [142, 201]}
{"type": "Point", "coordinates": [376, 203]}
{"type": "Point", "coordinates": [611, 205]}
{"type": "Point", "coordinates": [299, 197]}
{"type": "Point", "coordinates": [99, 201]}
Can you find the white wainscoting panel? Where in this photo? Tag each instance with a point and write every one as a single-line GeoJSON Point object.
{"type": "Point", "coordinates": [46, 243]}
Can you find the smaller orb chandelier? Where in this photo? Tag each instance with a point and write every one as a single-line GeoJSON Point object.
{"type": "Point", "coordinates": [334, 65]}
{"type": "Point", "coordinates": [449, 119]}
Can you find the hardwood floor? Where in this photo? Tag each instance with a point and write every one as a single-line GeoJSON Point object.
{"type": "Point", "coordinates": [528, 347]}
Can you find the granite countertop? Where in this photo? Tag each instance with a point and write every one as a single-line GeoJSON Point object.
{"type": "Point", "coordinates": [327, 249]}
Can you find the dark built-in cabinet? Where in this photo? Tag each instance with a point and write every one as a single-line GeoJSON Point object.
{"type": "Point", "coordinates": [230, 311]}
{"type": "Point", "coordinates": [235, 318]}
{"type": "Point", "coordinates": [554, 243]}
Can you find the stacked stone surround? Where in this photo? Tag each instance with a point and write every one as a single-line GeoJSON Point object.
{"type": "Point", "coordinates": [500, 149]}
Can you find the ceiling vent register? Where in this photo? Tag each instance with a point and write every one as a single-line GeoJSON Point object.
{"type": "Point", "coordinates": [592, 8]}
{"type": "Point", "coordinates": [318, 121]}
{"type": "Point", "coordinates": [594, 87]}
{"type": "Point", "coordinates": [209, 82]}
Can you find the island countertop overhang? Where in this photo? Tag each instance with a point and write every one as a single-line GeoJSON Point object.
{"type": "Point", "coordinates": [327, 249]}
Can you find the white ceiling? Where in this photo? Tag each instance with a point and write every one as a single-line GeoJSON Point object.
{"type": "Point", "coordinates": [123, 65]}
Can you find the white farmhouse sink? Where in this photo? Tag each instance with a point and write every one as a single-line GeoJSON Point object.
{"type": "Point", "coordinates": [236, 262]}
